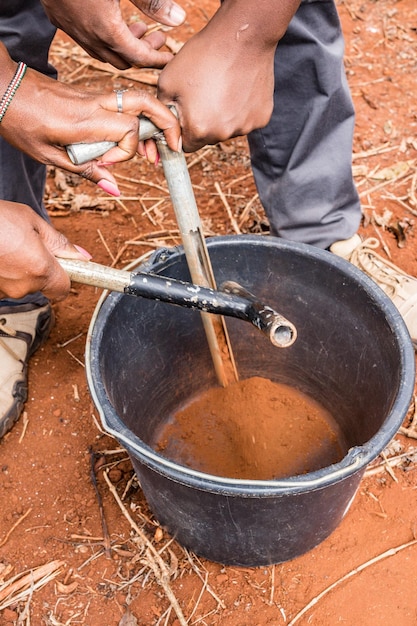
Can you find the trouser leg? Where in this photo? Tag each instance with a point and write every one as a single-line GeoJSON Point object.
{"type": "Point", "coordinates": [27, 33]}
{"type": "Point", "coordinates": [302, 159]}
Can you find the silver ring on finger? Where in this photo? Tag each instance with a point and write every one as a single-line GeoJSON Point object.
{"type": "Point", "coordinates": [119, 99]}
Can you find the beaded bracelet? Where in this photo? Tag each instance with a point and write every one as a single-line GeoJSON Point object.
{"type": "Point", "coordinates": [11, 89]}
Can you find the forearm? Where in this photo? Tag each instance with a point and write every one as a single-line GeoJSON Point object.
{"type": "Point", "coordinates": [259, 24]}
{"type": "Point", "coordinates": [222, 80]}
{"type": "Point", "coordinates": [7, 67]}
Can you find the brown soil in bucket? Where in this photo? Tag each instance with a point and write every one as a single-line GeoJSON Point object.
{"type": "Point", "coordinates": [252, 429]}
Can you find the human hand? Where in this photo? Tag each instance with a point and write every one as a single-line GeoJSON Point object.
{"type": "Point", "coordinates": [222, 80]}
{"type": "Point", "coordinates": [45, 116]}
{"type": "Point", "coordinates": [28, 247]}
{"type": "Point", "coordinates": [99, 28]}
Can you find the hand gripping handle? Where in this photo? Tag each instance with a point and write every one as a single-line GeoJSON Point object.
{"type": "Point", "coordinates": [80, 153]}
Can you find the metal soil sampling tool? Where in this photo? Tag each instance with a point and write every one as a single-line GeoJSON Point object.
{"type": "Point", "coordinates": [282, 333]}
{"type": "Point", "coordinates": [232, 300]}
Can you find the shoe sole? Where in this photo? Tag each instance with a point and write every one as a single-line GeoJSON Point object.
{"type": "Point", "coordinates": [20, 392]}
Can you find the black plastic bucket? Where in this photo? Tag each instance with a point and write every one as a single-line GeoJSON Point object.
{"type": "Point", "coordinates": [353, 355]}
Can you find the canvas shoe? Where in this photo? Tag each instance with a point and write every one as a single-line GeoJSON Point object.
{"type": "Point", "coordinates": [399, 286]}
{"type": "Point", "coordinates": [23, 329]}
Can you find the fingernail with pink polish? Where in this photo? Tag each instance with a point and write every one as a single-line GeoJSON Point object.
{"type": "Point", "coordinates": [157, 159]}
{"type": "Point", "coordinates": [83, 252]}
{"type": "Point", "coordinates": [179, 144]}
{"type": "Point", "coordinates": [108, 187]}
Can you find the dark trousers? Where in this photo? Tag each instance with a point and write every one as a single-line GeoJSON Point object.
{"type": "Point", "coordinates": [27, 33]}
{"type": "Point", "coordinates": [302, 160]}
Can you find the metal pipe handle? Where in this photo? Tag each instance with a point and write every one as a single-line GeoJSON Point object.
{"type": "Point", "coordinates": [80, 153]}
{"type": "Point", "coordinates": [234, 301]}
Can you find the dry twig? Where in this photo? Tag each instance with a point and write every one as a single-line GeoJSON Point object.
{"type": "Point", "coordinates": [15, 525]}
{"type": "Point", "coordinates": [106, 536]}
{"type": "Point", "coordinates": [228, 209]}
{"type": "Point", "coordinates": [76, 358]}
{"type": "Point", "coordinates": [403, 176]}
{"type": "Point", "coordinates": [247, 209]}
{"type": "Point", "coordinates": [413, 197]}
{"type": "Point", "coordinates": [21, 585]}
{"type": "Point", "coordinates": [388, 467]}
{"type": "Point", "coordinates": [368, 153]}
{"type": "Point", "coordinates": [104, 242]}
{"type": "Point", "coordinates": [357, 570]}
{"type": "Point", "coordinates": [406, 458]}
{"type": "Point", "coordinates": [390, 196]}
{"type": "Point", "coordinates": [25, 421]}
{"type": "Point", "coordinates": [153, 559]}
{"type": "Point", "coordinates": [199, 574]}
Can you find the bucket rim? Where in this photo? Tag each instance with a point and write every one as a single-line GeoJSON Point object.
{"type": "Point", "coordinates": [355, 460]}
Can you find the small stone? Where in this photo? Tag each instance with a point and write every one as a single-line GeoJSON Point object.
{"type": "Point", "coordinates": [115, 475]}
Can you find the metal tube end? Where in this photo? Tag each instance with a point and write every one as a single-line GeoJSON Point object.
{"type": "Point", "coordinates": [282, 333]}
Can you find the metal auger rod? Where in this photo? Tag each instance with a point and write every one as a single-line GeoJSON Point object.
{"type": "Point", "coordinates": [189, 223]}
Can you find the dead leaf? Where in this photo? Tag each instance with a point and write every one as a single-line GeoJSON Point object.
{"type": "Point", "coordinates": [65, 590]}
{"type": "Point", "coordinates": [412, 142]}
{"type": "Point", "coordinates": [60, 180]}
{"type": "Point", "coordinates": [228, 148]}
{"type": "Point", "coordinates": [173, 566]}
{"type": "Point", "coordinates": [388, 128]}
{"type": "Point", "coordinates": [159, 534]}
{"type": "Point", "coordinates": [369, 101]}
{"type": "Point", "coordinates": [5, 570]}
{"type": "Point", "coordinates": [28, 580]}
{"type": "Point", "coordinates": [389, 173]}
{"type": "Point", "coordinates": [383, 220]}
{"type": "Point", "coordinates": [400, 230]}
{"type": "Point", "coordinates": [84, 201]}
{"type": "Point", "coordinates": [359, 170]}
